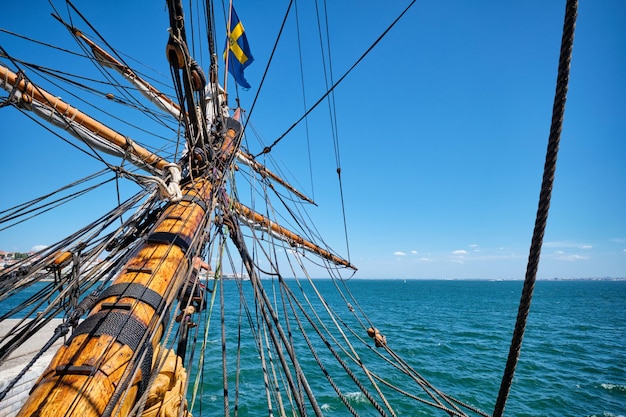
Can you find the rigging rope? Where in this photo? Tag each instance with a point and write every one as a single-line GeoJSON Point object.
{"type": "Point", "coordinates": [268, 149]}
{"type": "Point", "coordinates": [304, 103]}
{"type": "Point", "coordinates": [59, 332]}
{"type": "Point", "coordinates": [223, 334]}
{"type": "Point", "coordinates": [19, 212]}
{"type": "Point", "coordinates": [271, 319]}
{"type": "Point", "coordinates": [267, 67]}
{"type": "Point", "coordinates": [91, 139]}
{"type": "Point", "coordinates": [558, 110]}
{"type": "Point", "coordinates": [292, 300]}
{"type": "Point", "coordinates": [332, 110]}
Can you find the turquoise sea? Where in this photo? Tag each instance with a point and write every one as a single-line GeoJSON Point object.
{"type": "Point", "coordinates": [457, 334]}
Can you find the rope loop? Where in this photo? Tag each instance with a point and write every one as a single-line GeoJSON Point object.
{"type": "Point", "coordinates": [174, 192]}
{"type": "Point", "coordinates": [167, 190]}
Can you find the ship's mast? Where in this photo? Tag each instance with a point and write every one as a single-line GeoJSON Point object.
{"type": "Point", "coordinates": [107, 364]}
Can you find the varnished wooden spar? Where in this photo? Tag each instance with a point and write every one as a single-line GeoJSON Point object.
{"type": "Point", "coordinates": [82, 377]}
{"type": "Point", "coordinates": [249, 160]}
{"type": "Point", "coordinates": [147, 90]}
{"type": "Point", "coordinates": [30, 92]}
{"type": "Point", "coordinates": [256, 220]}
{"type": "Point", "coordinates": [165, 103]}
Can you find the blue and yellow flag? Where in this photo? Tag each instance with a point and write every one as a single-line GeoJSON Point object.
{"type": "Point", "coordinates": [237, 50]}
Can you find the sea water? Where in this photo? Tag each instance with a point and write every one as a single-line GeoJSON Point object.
{"type": "Point", "coordinates": [457, 334]}
{"type": "Point", "coordinates": [573, 357]}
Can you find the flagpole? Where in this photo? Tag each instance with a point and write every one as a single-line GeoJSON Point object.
{"type": "Point", "coordinates": [230, 15]}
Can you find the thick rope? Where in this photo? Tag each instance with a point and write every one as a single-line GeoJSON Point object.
{"type": "Point", "coordinates": [558, 110]}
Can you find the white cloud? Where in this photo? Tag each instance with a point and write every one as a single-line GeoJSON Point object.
{"type": "Point", "coordinates": [475, 247]}
{"type": "Point", "coordinates": [37, 248]}
{"type": "Point", "coordinates": [557, 244]}
{"type": "Point", "coordinates": [566, 244]}
{"type": "Point", "coordinates": [399, 253]}
{"type": "Point", "coordinates": [459, 252]}
{"type": "Point", "coordinates": [414, 252]}
{"type": "Point", "coordinates": [572, 258]}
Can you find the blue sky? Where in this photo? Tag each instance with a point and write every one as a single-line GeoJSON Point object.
{"type": "Point", "coordinates": [442, 130]}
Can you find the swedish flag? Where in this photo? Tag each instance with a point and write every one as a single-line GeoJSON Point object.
{"type": "Point", "coordinates": [237, 50]}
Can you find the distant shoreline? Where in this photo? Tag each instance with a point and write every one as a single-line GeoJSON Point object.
{"type": "Point", "coordinates": [482, 279]}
